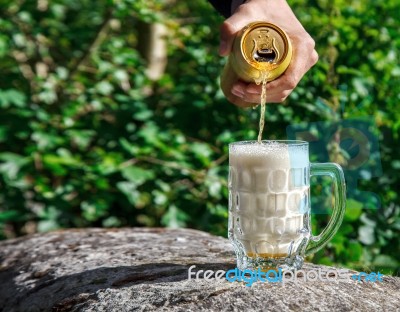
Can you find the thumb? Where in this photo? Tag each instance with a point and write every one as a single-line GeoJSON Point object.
{"type": "Point", "coordinates": [228, 31]}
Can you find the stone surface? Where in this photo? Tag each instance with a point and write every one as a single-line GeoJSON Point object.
{"type": "Point", "coordinates": [147, 270]}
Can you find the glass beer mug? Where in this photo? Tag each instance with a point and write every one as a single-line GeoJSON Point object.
{"type": "Point", "coordinates": [269, 203]}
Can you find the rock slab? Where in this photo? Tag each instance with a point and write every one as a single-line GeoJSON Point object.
{"type": "Point", "coordinates": [146, 269]}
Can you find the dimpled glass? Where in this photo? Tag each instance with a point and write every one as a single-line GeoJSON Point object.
{"type": "Point", "coordinates": [269, 203]}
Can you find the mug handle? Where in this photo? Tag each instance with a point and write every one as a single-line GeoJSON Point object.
{"type": "Point", "coordinates": [336, 173]}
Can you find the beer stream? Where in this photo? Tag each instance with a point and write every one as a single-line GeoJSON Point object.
{"type": "Point", "coordinates": [264, 78]}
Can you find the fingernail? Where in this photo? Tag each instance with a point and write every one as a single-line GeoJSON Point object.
{"type": "Point", "coordinates": [238, 91]}
{"type": "Point", "coordinates": [222, 48]}
{"type": "Point", "coordinates": [252, 91]}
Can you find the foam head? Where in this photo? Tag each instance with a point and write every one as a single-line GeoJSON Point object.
{"type": "Point", "coordinates": [278, 154]}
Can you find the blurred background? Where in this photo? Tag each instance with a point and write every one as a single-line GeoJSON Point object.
{"type": "Point", "coordinates": [111, 115]}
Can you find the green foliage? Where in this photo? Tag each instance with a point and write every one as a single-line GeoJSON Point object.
{"type": "Point", "coordinates": [87, 139]}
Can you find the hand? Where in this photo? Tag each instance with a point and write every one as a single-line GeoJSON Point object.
{"type": "Point", "coordinates": [304, 55]}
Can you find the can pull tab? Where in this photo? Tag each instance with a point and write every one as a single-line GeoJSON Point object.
{"type": "Point", "coordinates": [264, 49]}
{"type": "Point", "coordinates": [265, 55]}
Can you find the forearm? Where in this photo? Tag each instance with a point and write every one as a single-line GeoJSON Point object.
{"type": "Point", "coordinates": [228, 7]}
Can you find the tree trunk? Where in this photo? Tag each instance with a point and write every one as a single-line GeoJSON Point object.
{"type": "Point", "coordinates": [152, 45]}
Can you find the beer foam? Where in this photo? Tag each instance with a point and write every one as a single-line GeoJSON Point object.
{"type": "Point", "coordinates": [258, 148]}
{"type": "Point", "coordinates": [291, 154]}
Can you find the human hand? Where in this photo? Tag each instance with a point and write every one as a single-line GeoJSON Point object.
{"type": "Point", "coordinates": [304, 56]}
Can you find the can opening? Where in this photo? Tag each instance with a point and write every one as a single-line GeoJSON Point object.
{"type": "Point", "coordinates": [265, 55]}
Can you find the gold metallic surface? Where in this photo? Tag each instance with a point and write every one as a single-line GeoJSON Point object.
{"type": "Point", "coordinates": [253, 38]}
{"type": "Point", "coordinates": [257, 48]}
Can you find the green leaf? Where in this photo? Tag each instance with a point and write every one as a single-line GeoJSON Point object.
{"type": "Point", "coordinates": [12, 97]}
{"type": "Point", "coordinates": [81, 138]}
{"type": "Point", "coordinates": [353, 210]}
{"type": "Point", "coordinates": [137, 175]}
{"type": "Point", "coordinates": [60, 164]}
{"type": "Point", "coordinates": [104, 88]}
{"type": "Point", "coordinates": [64, 160]}
{"type": "Point", "coordinates": [354, 251]}
{"type": "Point", "coordinates": [11, 164]}
{"type": "Point", "coordinates": [47, 225]}
{"type": "Point", "coordinates": [160, 198]}
{"type": "Point", "coordinates": [143, 115]}
{"type": "Point", "coordinates": [4, 42]}
{"type": "Point", "coordinates": [129, 147]}
{"type": "Point", "coordinates": [325, 261]}
{"type": "Point", "coordinates": [46, 140]}
{"type": "Point", "coordinates": [49, 220]}
{"type": "Point", "coordinates": [385, 261]}
{"type": "Point", "coordinates": [111, 222]}
{"type": "Point", "coordinates": [129, 190]}
{"type": "Point", "coordinates": [202, 151]}
{"type": "Point", "coordinates": [93, 210]}
{"type": "Point", "coordinates": [9, 215]}
{"type": "Point", "coordinates": [174, 218]}
{"type": "Point", "coordinates": [366, 234]}
{"type": "Point", "coordinates": [338, 242]}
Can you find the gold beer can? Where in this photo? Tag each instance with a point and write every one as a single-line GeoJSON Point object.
{"type": "Point", "coordinates": [258, 48]}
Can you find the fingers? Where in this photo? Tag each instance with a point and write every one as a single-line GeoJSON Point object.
{"type": "Point", "coordinates": [303, 58]}
{"type": "Point", "coordinates": [304, 55]}
{"type": "Point", "coordinates": [251, 94]}
{"type": "Point", "coordinates": [248, 92]}
{"type": "Point", "coordinates": [230, 27]}
{"type": "Point", "coordinates": [238, 101]}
